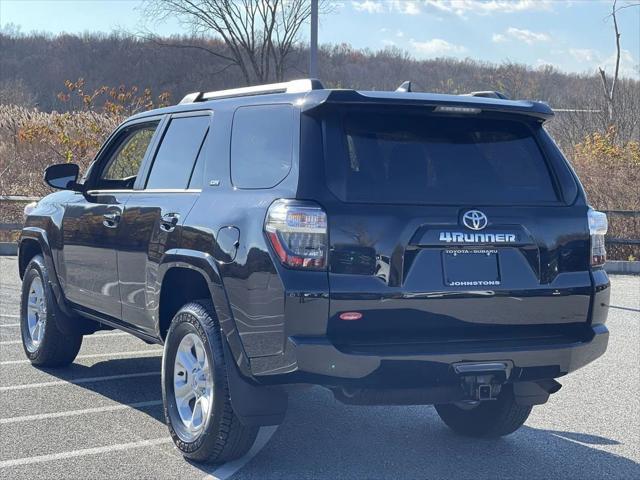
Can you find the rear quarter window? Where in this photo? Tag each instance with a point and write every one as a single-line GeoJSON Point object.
{"type": "Point", "coordinates": [387, 157]}
{"type": "Point", "coordinates": [175, 159]}
{"type": "Point", "coordinates": [261, 145]}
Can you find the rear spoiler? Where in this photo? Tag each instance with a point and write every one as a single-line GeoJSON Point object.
{"type": "Point", "coordinates": [472, 104]}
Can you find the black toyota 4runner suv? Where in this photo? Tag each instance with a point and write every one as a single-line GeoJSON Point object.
{"type": "Point", "coordinates": [394, 247]}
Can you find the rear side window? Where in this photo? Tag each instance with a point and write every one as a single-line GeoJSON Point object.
{"type": "Point", "coordinates": [181, 145]}
{"type": "Point", "coordinates": [261, 145]}
{"type": "Point", "coordinates": [417, 158]}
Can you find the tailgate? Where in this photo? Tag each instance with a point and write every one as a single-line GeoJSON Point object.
{"type": "Point", "coordinates": [450, 228]}
{"type": "Point", "coordinates": [415, 276]}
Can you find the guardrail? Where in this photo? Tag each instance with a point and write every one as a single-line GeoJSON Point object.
{"type": "Point", "coordinates": [626, 214]}
{"type": "Point", "coordinates": [18, 198]}
{"type": "Point", "coordinates": [10, 226]}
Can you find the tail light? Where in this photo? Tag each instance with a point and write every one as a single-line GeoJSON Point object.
{"type": "Point", "coordinates": [598, 226]}
{"type": "Point", "coordinates": [297, 231]}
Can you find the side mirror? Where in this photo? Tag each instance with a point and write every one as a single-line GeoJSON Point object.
{"type": "Point", "coordinates": [63, 176]}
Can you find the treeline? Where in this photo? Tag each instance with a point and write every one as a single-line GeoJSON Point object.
{"type": "Point", "coordinates": [33, 67]}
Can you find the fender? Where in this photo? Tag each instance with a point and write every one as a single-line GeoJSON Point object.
{"type": "Point", "coordinates": [40, 235]}
{"type": "Point", "coordinates": [204, 264]}
{"type": "Point", "coordinates": [69, 322]}
{"type": "Point", "coordinates": [254, 404]}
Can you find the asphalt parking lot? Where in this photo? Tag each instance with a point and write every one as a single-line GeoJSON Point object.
{"type": "Point", "coordinates": [102, 418]}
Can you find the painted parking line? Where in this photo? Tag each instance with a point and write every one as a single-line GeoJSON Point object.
{"type": "Point", "coordinates": [228, 469]}
{"type": "Point", "coordinates": [8, 315]}
{"type": "Point", "coordinates": [95, 355]}
{"type": "Point", "coordinates": [78, 381]}
{"type": "Point", "coordinates": [86, 337]}
{"type": "Point", "coordinates": [9, 325]}
{"type": "Point", "coordinates": [73, 413]}
{"type": "Point", "coordinates": [84, 452]}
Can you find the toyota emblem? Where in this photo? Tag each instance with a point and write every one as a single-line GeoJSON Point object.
{"type": "Point", "coordinates": [475, 220]}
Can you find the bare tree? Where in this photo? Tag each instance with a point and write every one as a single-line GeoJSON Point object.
{"type": "Point", "coordinates": [260, 35]}
{"type": "Point", "coordinates": [610, 91]}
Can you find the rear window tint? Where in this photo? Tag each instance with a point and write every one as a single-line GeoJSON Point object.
{"type": "Point", "coordinates": [261, 145]}
{"type": "Point", "coordinates": [409, 158]}
{"type": "Point", "coordinates": [176, 157]}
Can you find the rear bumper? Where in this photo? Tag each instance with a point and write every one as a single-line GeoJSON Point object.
{"type": "Point", "coordinates": [319, 361]}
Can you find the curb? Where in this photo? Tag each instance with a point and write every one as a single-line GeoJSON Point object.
{"type": "Point", "coordinates": [620, 266]}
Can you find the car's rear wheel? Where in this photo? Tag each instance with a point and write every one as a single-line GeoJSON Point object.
{"type": "Point", "coordinates": [195, 391]}
{"type": "Point", "coordinates": [44, 343]}
{"type": "Point", "coordinates": [489, 419]}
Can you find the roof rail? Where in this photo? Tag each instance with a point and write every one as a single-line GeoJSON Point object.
{"type": "Point", "coordinates": [487, 94]}
{"type": "Point", "coordinates": [294, 86]}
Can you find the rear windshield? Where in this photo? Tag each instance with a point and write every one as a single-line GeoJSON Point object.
{"type": "Point", "coordinates": [386, 157]}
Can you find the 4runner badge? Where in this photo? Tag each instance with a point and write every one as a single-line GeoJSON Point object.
{"type": "Point", "coordinates": [459, 237]}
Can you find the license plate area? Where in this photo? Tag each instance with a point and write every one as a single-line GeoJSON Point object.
{"type": "Point", "coordinates": [471, 267]}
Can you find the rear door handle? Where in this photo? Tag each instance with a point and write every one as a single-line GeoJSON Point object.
{"type": "Point", "coordinates": [111, 219]}
{"type": "Point", "coordinates": [169, 221]}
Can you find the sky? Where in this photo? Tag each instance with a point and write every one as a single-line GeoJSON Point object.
{"type": "Point", "coordinates": [572, 35]}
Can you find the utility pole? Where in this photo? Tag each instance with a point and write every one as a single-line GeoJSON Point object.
{"type": "Point", "coordinates": [313, 48]}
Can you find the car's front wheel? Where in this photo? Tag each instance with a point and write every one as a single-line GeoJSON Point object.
{"type": "Point", "coordinates": [44, 343]}
{"type": "Point", "coordinates": [489, 419]}
{"type": "Point", "coordinates": [195, 391]}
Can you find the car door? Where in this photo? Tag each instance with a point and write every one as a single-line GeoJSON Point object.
{"type": "Point", "coordinates": [91, 223]}
{"type": "Point", "coordinates": [153, 215]}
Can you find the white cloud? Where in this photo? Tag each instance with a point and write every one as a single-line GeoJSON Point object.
{"type": "Point", "coordinates": [584, 54]}
{"type": "Point", "coordinates": [407, 7]}
{"type": "Point", "coordinates": [436, 47]}
{"type": "Point", "coordinates": [629, 66]}
{"type": "Point", "coordinates": [485, 7]}
{"type": "Point", "coordinates": [520, 34]}
{"type": "Point", "coordinates": [399, 34]}
{"type": "Point", "coordinates": [369, 6]}
{"type": "Point", "coordinates": [590, 59]}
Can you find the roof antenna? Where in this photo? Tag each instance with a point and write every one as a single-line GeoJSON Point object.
{"type": "Point", "coordinates": [405, 87]}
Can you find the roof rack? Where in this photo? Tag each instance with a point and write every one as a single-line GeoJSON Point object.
{"type": "Point", "coordinates": [404, 87]}
{"type": "Point", "coordinates": [294, 86]}
{"type": "Point", "coordinates": [487, 94]}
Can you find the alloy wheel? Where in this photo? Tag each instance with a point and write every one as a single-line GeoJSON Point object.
{"type": "Point", "coordinates": [192, 387]}
{"type": "Point", "coordinates": [36, 314]}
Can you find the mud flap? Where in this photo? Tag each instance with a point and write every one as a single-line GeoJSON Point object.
{"type": "Point", "coordinates": [254, 405]}
{"type": "Point", "coordinates": [74, 324]}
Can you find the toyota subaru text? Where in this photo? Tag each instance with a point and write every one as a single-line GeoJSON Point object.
{"type": "Point", "coordinates": [397, 248]}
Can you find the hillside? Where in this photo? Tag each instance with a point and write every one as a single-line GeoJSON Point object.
{"type": "Point", "coordinates": [34, 67]}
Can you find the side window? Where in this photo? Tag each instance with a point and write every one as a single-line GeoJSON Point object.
{"type": "Point", "coordinates": [261, 145]}
{"type": "Point", "coordinates": [122, 167]}
{"type": "Point", "coordinates": [181, 146]}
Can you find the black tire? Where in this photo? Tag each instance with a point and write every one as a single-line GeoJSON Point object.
{"type": "Point", "coordinates": [54, 349]}
{"type": "Point", "coordinates": [223, 437]}
{"type": "Point", "coordinates": [489, 419]}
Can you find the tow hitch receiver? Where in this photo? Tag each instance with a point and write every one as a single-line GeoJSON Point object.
{"type": "Point", "coordinates": [483, 381]}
